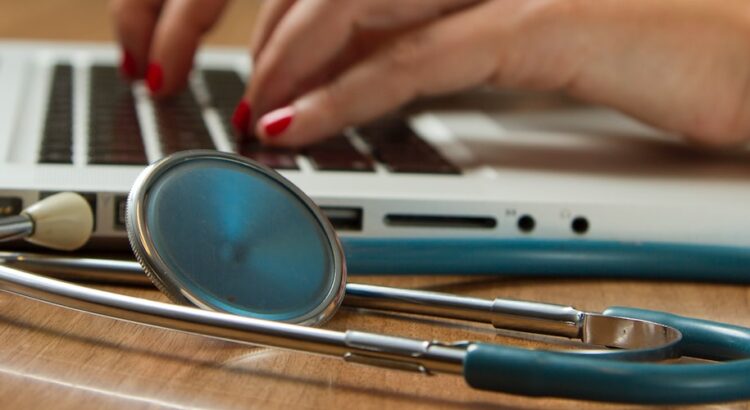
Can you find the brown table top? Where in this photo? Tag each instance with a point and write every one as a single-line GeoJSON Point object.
{"type": "Point", "coordinates": [57, 358]}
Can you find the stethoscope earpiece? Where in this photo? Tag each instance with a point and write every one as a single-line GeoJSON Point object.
{"type": "Point", "coordinates": [63, 221]}
{"type": "Point", "coordinates": [239, 241]}
{"type": "Point", "coordinates": [220, 232]}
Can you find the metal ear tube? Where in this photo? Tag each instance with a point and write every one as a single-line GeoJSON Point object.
{"type": "Point", "coordinates": [631, 339]}
{"type": "Point", "coordinates": [238, 240]}
{"type": "Point", "coordinates": [62, 221]}
{"type": "Point", "coordinates": [484, 366]}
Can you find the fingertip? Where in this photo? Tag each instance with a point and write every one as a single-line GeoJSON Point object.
{"type": "Point", "coordinates": [134, 23]}
{"type": "Point", "coordinates": [241, 118]}
{"type": "Point", "coordinates": [154, 78]}
{"type": "Point", "coordinates": [275, 124]}
{"type": "Point", "coordinates": [128, 65]}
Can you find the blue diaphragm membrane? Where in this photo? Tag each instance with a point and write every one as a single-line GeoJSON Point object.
{"type": "Point", "coordinates": [238, 240]}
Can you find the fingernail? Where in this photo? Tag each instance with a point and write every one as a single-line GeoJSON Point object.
{"type": "Point", "coordinates": [128, 67]}
{"type": "Point", "coordinates": [276, 122]}
{"type": "Point", "coordinates": [241, 117]}
{"type": "Point", "coordinates": [154, 77]}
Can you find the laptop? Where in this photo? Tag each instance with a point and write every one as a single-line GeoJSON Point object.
{"type": "Point", "coordinates": [448, 184]}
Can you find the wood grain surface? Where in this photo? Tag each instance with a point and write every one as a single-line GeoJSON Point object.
{"type": "Point", "coordinates": [56, 358]}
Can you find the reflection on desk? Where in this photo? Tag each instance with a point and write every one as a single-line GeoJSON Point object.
{"type": "Point", "coordinates": [56, 357]}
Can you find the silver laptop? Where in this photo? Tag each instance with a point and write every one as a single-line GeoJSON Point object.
{"type": "Point", "coordinates": [478, 166]}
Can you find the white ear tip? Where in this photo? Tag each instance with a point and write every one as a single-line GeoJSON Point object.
{"type": "Point", "coordinates": [62, 221]}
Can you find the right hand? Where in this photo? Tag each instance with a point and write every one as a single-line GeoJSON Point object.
{"type": "Point", "coordinates": [682, 65]}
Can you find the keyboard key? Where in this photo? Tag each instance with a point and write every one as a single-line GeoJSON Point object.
{"type": "Point", "coordinates": [114, 132]}
{"type": "Point", "coordinates": [401, 150]}
{"type": "Point", "coordinates": [57, 140]}
{"type": "Point", "coordinates": [338, 154]}
{"type": "Point", "coordinates": [180, 124]}
{"type": "Point", "coordinates": [274, 157]}
{"type": "Point", "coordinates": [117, 158]}
{"type": "Point", "coordinates": [226, 89]}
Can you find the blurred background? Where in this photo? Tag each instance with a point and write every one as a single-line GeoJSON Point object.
{"type": "Point", "coordinates": [88, 20]}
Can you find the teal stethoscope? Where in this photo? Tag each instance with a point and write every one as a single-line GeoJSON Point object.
{"type": "Point", "coordinates": [240, 242]}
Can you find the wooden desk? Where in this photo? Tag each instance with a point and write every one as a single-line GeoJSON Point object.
{"type": "Point", "coordinates": [56, 358]}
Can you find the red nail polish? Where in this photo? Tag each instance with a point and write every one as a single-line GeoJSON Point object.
{"type": "Point", "coordinates": [275, 122]}
{"type": "Point", "coordinates": [154, 77]}
{"type": "Point", "coordinates": [241, 117]}
{"type": "Point", "coordinates": [128, 67]}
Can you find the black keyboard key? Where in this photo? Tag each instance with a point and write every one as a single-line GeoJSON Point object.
{"type": "Point", "coordinates": [114, 132]}
{"type": "Point", "coordinates": [338, 154]}
{"type": "Point", "coordinates": [180, 124]}
{"type": "Point", "coordinates": [61, 157]}
{"type": "Point", "coordinates": [118, 158]}
{"type": "Point", "coordinates": [401, 150]}
{"type": "Point", "coordinates": [274, 157]}
{"type": "Point", "coordinates": [226, 89]}
{"type": "Point", "coordinates": [57, 140]}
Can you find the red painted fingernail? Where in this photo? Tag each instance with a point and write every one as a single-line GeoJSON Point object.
{"type": "Point", "coordinates": [241, 117]}
{"type": "Point", "coordinates": [154, 77]}
{"type": "Point", "coordinates": [128, 67]}
{"type": "Point", "coordinates": [275, 122]}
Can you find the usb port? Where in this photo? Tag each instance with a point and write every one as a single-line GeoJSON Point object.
{"type": "Point", "coordinates": [344, 219]}
{"type": "Point", "coordinates": [121, 210]}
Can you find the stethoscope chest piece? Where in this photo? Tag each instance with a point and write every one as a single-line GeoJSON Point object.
{"type": "Point", "coordinates": [217, 231]}
{"type": "Point", "coordinates": [226, 234]}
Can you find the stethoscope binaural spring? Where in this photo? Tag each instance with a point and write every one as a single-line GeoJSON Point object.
{"type": "Point", "coordinates": [236, 239]}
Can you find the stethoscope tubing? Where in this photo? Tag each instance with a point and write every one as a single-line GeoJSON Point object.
{"type": "Point", "coordinates": [552, 374]}
{"type": "Point", "coordinates": [627, 339]}
{"type": "Point", "coordinates": [484, 366]}
{"type": "Point", "coordinates": [533, 256]}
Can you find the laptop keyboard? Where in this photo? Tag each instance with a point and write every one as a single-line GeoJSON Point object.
{"type": "Point", "coordinates": [180, 124]}
{"type": "Point", "coordinates": [115, 136]}
{"type": "Point", "coordinates": [57, 139]}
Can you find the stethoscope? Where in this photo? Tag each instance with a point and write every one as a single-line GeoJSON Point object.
{"type": "Point", "coordinates": [258, 262]}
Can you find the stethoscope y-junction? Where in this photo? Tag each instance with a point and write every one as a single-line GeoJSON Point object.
{"type": "Point", "coordinates": [255, 260]}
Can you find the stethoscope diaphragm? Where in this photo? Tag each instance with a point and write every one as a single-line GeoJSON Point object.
{"type": "Point", "coordinates": [220, 232]}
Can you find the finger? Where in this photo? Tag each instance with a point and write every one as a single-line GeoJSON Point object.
{"type": "Point", "coordinates": [134, 22]}
{"type": "Point", "coordinates": [314, 32]}
{"type": "Point", "coordinates": [270, 14]}
{"type": "Point", "coordinates": [431, 60]}
{"type": "Point", "coordinates": [178, 33]}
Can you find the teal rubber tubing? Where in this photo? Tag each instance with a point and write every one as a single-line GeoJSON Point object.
{"type": "Point", "coordinates": [567, 375]}
{"type": "Point", "coordinates": [540, 257]}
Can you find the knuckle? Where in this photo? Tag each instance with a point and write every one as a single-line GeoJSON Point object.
{"type": "Point", "coordinates": [406, 54]}
{"type": "Point", "coordinates": [332, 98]}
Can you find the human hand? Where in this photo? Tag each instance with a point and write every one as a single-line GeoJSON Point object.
{"type": "Point", "coordinates": [682, 65]}
{"type": "Point", "coordinates": [159, 38]}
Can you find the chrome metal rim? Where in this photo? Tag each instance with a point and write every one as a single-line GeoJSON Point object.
{"type": "Point", "coordinates": [141, 240]}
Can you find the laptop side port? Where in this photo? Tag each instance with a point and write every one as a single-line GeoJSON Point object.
{"type": "Point", "coordinates": [121, 203]}
{"type": "Point", "coordinates": [580, 225]}
{"type": "Point", "coordinates": [526, 223]}
{"type": "Point", "coordinates": [440, 221]}
{"type": "Point", "coordinates": [343, 218]}
{"type": "Point", "coordinates": [10, 206]}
